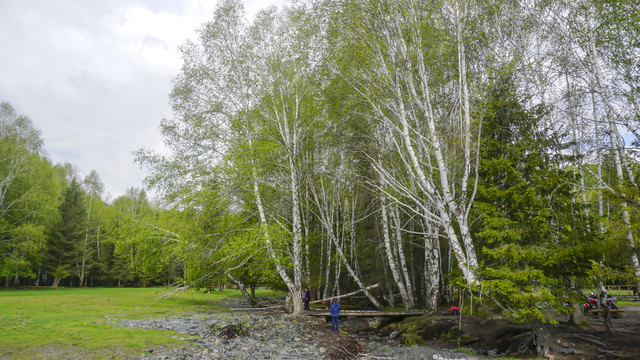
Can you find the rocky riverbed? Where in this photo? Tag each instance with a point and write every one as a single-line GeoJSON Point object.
{"type": "Point", "coordinates": [275, 336]}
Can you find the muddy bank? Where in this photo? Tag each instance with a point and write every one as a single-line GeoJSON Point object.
{"type": "Point", "coordinates": [500, 337]}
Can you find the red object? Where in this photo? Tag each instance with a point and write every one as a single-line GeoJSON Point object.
{"type": "Point", "coordinates": [454, 308]}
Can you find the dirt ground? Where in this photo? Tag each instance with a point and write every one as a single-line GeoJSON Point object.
{"type": "Point", "coordinates": [500, 337]}
{"type": "Point", "coordinates": [624, 345]}
{"type": "Point", "coordinates": [585, 342]}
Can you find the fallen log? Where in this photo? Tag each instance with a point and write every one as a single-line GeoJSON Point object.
{"type": "Point", "coordinates": [345, 295]}
{"type": "Point", "coordinates": [257, 308]}
{"type": "Point", "coordinates": [366, 313]}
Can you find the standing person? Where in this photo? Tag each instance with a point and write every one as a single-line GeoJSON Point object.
{"type": "Point", "coordinates": [335, 313]}
{"type": "Point", "coordinates": [307, 298]}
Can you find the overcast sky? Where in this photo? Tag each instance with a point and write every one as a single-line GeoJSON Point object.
{"type": "Point", "coordinates": [94, 76]}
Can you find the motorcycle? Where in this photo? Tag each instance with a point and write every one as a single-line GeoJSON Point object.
{"type": "Point", "coordinates": [591, 303]}
{"type": "Point", "coordinates": [611, 303]}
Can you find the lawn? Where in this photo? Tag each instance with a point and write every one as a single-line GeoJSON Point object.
{"type": "Point", "coordinates": [77, 323]}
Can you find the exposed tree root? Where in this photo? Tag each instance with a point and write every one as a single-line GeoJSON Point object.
{"type": "Point", "coordinates": [345, 347]}
{"type": "Point", "coordinates": [232, 331]}
{"type": "Point", "coordinates": [587, 338]}
{"type": "Point", "coordinates": [545, 343]}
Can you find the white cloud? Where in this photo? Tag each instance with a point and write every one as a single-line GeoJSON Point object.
{"type": "Point", "coordinates": [95, 76]}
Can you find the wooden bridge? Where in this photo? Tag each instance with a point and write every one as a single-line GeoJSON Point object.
{"type": "Point", "coordinates": [365, 313]}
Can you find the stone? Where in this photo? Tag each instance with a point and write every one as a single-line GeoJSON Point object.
{"type": "Point", "coordinates": [393, 335]}
{"type": "Point", "coordinates": [374, 323]}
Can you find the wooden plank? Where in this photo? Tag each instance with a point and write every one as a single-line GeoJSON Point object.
{"type": "Point", "coordinates": [367, 313]}
{"type": "Point", "coordinates": [600, 310]}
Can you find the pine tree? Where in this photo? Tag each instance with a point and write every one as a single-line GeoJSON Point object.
{"type": "Point", "coordinates": [534, 243]}
{"type": "Point", "coordinates": [67, 234]}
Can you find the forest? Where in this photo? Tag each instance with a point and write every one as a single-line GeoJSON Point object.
{"type": "Point", "coordinates": [410, 150]}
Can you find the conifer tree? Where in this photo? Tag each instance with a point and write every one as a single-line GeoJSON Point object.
{"type": "Point", "coordinates": [534, 245]}
{"type": "Point", "coordinates": [67, 234]}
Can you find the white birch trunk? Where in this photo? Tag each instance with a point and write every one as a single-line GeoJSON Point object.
{"type": "Point", "coordinates": [297, 241]}
{"type": "Point", "coordinates": [440, 193]}
{"type": "Point", "coordinates": [242, 288]}
{"type": "Point", "coordinates": [599, 163]}
{"type": "Point", "coordinates": [327, 272]}
{"type": "Point", "coordinates": [286, 121]}
{"type": "Point", "coordinates": [403, 262]}
{"type": "Point", "coordinates": [618, 158]}
{"type": "Point", "coordinates": [298, 307]}
{"type": "Point", "coordinates": [325, 217]}
{"type": "Point", "coordinates": [320, 267]}
{"type": "Point", "coordinates": [431, 266]}
{"type": "Point", "coordinates": [576, 150]}
{"type": "Point", "coordinates": [352, 237]}
{"type": "Point", "coordinates": [86, 242]}
{"type": "Point", "coordinates": [389, 251]}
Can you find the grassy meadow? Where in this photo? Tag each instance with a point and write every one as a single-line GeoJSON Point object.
{"type": "Point", "coordinates": [74, 322]}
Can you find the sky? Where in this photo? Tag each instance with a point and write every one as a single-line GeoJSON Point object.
{"type": "Point", "coordinates": [95, 76]}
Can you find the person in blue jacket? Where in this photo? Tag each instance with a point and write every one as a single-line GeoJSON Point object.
{"type": "Point", "coordinates": [307, 299]}
{"type": "Point", "coordinates": [335, 313]}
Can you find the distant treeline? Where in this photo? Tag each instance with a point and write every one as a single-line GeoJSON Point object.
{"type": "Point", "coordinates": [55, 226]}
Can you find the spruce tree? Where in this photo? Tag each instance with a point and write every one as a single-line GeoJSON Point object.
{"type": "Point", "coordinates": [534, 242]}
{"type": "Point", "coordinates": [67, 234]}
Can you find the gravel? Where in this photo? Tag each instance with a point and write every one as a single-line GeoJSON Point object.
{"type": "Point", "coordinates": [269, 336]}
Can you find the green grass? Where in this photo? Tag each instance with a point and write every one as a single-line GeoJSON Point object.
{"type": "Point", "coordinates": [628, 303]}
{"type": "Point", "coordinates": [75, 322]}
{"type": "Point", "coordinates": [466, 351]}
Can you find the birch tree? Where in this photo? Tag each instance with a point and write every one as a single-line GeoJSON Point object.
{"type": "Point", "coordinates": [29, 191]}
{"type": "Point", "coordinates": [93, 188]}
{"type": "Point", "coordinates": [579, 34]}
{"type": "Point", "coordinates": [327, 201]}
{"type": "Point", "coordinates": [415, 79]}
